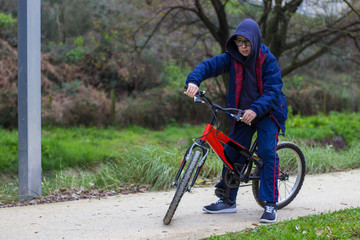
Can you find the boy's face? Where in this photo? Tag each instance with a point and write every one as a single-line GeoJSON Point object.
{"type": "Point", "coordinates": [243, 45]}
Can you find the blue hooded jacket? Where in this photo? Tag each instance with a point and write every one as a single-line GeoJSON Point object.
{"type": "Point", "coordinates": [254, 81]}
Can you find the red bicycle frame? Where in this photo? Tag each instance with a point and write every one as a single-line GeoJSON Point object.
{"type": "Point", "coordinates": [214, 138]}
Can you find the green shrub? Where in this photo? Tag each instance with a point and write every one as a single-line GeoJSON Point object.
{"type": "Point", "coordinates": [8, 28]}
{"type": "Point", "coordinates": [319, 127]}
{"type": "Point", "coordinates": [174, 75]}
{"type": "Point", "coordinates": [78, 53]}
{"type": "Point", "coordinates": [6, 20]}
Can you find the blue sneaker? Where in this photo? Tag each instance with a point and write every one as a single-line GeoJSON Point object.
{"type": "Point", "coordinates": [221, 206]}
{"type": "Point", "coordinates": [270, 213]}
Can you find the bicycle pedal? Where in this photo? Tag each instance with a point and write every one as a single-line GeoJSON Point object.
{"type": "Point", "coordinates": [258, 161]}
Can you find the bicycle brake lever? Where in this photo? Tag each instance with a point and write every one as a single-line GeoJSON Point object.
{"type": "Point", "coordinates": [237, 116]}
{"type": "Point", "coordinates": [197, 97]}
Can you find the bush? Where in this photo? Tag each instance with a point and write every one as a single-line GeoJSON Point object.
{"type": "Point", "coordinates": [8, 85]}
{"type": "Point", "coordinates": [308, 94]}
{"type": "Point", "coordinates": [8, 108]}
{"type": "Point", "coordinates": [76, 105]}
{"type": "Point", "coordinates": [157, 108]}
{"type": "Point", "coordinates": [321, 127]}
{"type": "Point", "coordinates": [8, 28]}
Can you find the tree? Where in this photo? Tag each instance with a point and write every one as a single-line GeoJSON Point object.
{"type": "Point", "coordinates": [62, 19]}
{"type": "Point", "coordinates": [300, 42]}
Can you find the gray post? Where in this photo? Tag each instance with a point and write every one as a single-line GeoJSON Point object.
{"type": "Point", "coordinates": [29, 98]}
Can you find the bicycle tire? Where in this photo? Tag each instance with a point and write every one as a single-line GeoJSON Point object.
{"type": "Point", "coordinates": [182, 187]}
{"type": "Point", "coordinates": [291, 174]}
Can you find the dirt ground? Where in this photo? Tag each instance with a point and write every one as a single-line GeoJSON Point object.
{"type": "Point", "coordinates": [139, 216]}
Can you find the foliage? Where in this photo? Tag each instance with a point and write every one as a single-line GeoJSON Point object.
{"type": "Point", "coordinates": [112, 158]}
{"type": "Point", "coordinates": [159, 107]}
{"type": "Point", "coordinates": [62, 20]}
{"type": "Point", "coordinates": [341, 224]}
{"type": "Point", "coordinates": [75, 104]}
{"type": "Point", "coordinates": [86, 147]}
{"type": "Point", "coordinates": [8, 85]}
{"type": "Point", "coordinates": [326, 159]}
{"type": "Point", "coordinates": [309, 93]}
{"type": "Point", "coordinates": [7, 21]}
{"type": "Point", "coordinates": [78, 53]}
{"type": "Point", "coordinates": [8, 28]}
{"type": "Point", "coordinates": [321, 127]}
{"type": "Point", "coordinates": [83, 147]}
{"type": "Point", "coordinates": [9, 151]}
{"type": "Point", "coordinates": [89, 53]}
{"type": "Point", "coordinates": [174, 75]}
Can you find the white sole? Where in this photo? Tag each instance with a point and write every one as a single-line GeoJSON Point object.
{"type": "Point", "coordinates": [267, 221]}
{"type": "Point", "coordinates": [228, 210]}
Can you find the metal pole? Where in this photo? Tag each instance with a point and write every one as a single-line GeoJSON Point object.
{"type": "Point", "coordinates": [29, 98]}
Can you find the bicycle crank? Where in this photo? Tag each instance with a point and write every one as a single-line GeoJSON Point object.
{"type": "Point", "coordinates": [231, 179]}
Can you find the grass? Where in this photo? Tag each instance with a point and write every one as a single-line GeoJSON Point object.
{"type": "Point", "coordinates": [108, 159]}
{"type": "Point", "coordinates": [83, 147]}
{"type": "Point", "coordinates": [343, 224]}
{"type": "Point", "coordinates": [321, 127]}
{"type": "Point", "coordinates": [113, 158]}
{"type": "Point", "coordinates": [151, 165]}
{"type": "Point", "coordinates": [326, 159]}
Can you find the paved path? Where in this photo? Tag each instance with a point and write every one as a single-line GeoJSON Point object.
{"type": "Point", "coordinates": [139, 216]}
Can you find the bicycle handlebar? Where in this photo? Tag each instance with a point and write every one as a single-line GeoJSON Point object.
{"type": "Point", "coordinates": [202, 94]}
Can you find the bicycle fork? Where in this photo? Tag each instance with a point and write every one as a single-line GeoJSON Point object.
{"type": "Point", "coordinates": [187, 157]}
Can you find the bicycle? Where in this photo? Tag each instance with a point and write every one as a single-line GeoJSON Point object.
{"type": "Point", "coordinates": [291, 167]}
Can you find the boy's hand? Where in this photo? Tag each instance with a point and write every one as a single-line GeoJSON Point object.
{"type": "Point", "coordinates": [192, 90]}
{"type": "Point", "coordinates": [248, 116]}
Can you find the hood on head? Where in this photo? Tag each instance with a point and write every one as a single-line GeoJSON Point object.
{"type": "Point", "coordinates": [249, 29]}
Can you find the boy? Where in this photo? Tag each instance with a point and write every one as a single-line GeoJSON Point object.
{"type": "Point", "coordinates": [255, 86]}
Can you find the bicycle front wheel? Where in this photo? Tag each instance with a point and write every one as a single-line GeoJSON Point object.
{"type": "Point", "coordinates": [291, 174]}
{"type": "Point", "coordinates": [182, 187]}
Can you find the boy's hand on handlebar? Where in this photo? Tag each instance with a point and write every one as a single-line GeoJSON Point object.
{"type": "Point", "coordinates": [248, 116]}
{"type": "Point", "coordinates": [192, 90]}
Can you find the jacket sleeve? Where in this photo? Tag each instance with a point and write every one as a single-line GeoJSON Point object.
{"type": "Point", "coordinates": [272, 87]}
{"type": "Point", "coordinates": [209, 68]}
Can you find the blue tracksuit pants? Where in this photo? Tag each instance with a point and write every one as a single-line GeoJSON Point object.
{"type": "Point", "coordinates": [267, 132]}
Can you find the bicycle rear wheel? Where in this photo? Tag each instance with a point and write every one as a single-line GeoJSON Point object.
{"type": "Point", "coordinates": [291, 174]}
{"type": "Point", "coordinates": [182, 187]}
